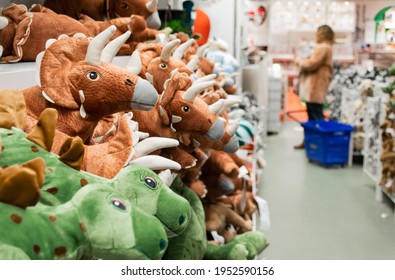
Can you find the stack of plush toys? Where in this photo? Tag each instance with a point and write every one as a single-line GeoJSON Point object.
{"type": "Point", "coordinates": [87, 154]}
{"type": "Point", "coordinates": [349, 78]}
{"type": "Point", "coordinates": [347, 98]}
{"type": "Point", "coordinates": [387, 180]}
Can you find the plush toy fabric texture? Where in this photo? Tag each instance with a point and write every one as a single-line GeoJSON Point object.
{"type": "Point", "coordinates": [83, 92]}
{"type": "Point", "coordinates": [246, 246]}
{"type": "Point", "coordinates": [191, 244]}
{"type": "Point", "coordinates": [179, 113]}
{"type": "Point", "coordinates": [12, 109]}
{"type": "Point", "coordinates": [108, 9]}
{"type": "Point", "coordinates": [135, 23]}
{"type": "Point", "coordinates": [20, 185]}
{"type": "Point", "coordinates": [98, 221]}
{"type": "Point", "coordinates": [219, 216]}
{"type": "Point", "coordinates": [141, 186]}
{"type": "Point", "coordinates": [27, 32]}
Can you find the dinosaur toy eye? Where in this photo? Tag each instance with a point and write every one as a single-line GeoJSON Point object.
{"type": "Point", "coordinates": [163, 65]}
{"type": "Point", "coordinates": [93, 76]}
{"type": "Point", "coordinates": [124, 5]}
{"type": "Point", "coordinates": [150, 182]}
{"type": "Point", "coordinates": [185, 109]}
{"type": "Point", "coordinates": [119, 204]}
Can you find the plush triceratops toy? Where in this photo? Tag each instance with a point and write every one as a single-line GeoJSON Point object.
{"type": "Point", "coordinates": [142, 187]}
{"type": "Point", "coordinates": [192, 243]}
{"type": "Point", "coordinates": [98, 221]}
{"type": "Point", "coordinates": [77, 79]}
{"type": "Point", "coordinates": [108, 9]}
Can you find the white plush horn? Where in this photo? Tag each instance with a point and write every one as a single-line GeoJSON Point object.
{"type": "Point", "coordinates": [167, 49]}
{"type": "Point", "coordinates": [195, 89]}
{"type": "Point", "coordinates": [202, 49]}
{"type": "Point", "coordinates": [192, 64]}
{"type": "Point", "coordinates": [156, 163]}
{"type": "Point", "coordinates": [167, 177]}
{"type": "Point", "coordinates": [134, 64]}
{"type": "Point", "coordinates": [229, 102]}
{"type": "Point", "coordinates": [1, 50]}
{"type": "Point", "coordinates": [3, 22]}
{"type": "Point", "coordinates": [112, 48]}
{"type": "Point", "coordinates": [237, 114]}
{"type": "Point", "coordinates": [96, 46]}
{"type": "Point", "coordinates": [152, 5]}
{"type": "Point", "coordinates": [216, 107]}
{"type": "Point", "coordinates": [152, 144]}
{"type": "Point", "coordinates": [180, 51]}
{"type": "Point", "coordinates": [232, 127]}
{"type": "Point", "coordinates": [205, 78]}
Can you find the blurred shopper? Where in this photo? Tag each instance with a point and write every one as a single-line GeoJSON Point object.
{"type": "Point", "coordinates": [315, 74]}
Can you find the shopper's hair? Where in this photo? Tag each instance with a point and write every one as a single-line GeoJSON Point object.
{"type": "Point", "coordinates": [325, 34]}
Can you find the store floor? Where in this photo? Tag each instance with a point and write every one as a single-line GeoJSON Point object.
{"type": "Point", "coordinates": [321, 213]}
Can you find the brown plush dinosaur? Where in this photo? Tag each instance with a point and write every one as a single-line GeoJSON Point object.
{"type": "Point", "coordinates": [179, 113]}
{"type": "Point", "coordinates": [77, 79]}
{"type": "Point", "coordinates": [243, 203]}
{"type": "Point", "coordinates": [22, 36]}
{"type": "Point", "coordinates": [22, 39]}
{"type": "Point", "coordinates": [157, 64]}
{"type": "Point", "coordinates": [108, 9]}
{"type": "Point", "coordinates": [219, 216]}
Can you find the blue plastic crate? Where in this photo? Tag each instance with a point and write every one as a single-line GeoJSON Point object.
{"type": "Point", "coordinates": [327, 142]}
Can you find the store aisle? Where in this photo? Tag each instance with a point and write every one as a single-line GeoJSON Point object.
{"type": "Point", "coordinates": [321, 213]}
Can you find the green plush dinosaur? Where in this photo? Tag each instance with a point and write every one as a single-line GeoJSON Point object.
{"type": "Point", "coordinates": [142, 187]}
{"type": "Point", "coordinates": [192, 243]}
{"type": "Point", "coordinates": [98, 221]}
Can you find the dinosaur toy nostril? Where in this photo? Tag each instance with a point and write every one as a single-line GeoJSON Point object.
{"type": "Point", "coordinates": [128, 82]}
{"type": "Point", "coordinates": [162, 244]}
{"type": "Point", "coordinates": [181, 220]}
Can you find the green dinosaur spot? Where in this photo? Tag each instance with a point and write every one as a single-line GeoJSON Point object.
{"type": "Point", "coordinates": [36, 249]}
{"type": "Point", "coordinates": [83, 182]}
{"type": "Point", "coordinates": [60, 251]}
{"type": "Point", "coordinates": [52, 190]}
{"type": "Point", "coordinates": [35, 149]}
{"type": "Point", "coordinates": [16, 218]}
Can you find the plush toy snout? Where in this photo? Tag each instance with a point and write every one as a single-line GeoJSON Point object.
{"type": "Point", "coordinates": [145, 95]}
{"type": "Point", "coordinates": [217, 130]}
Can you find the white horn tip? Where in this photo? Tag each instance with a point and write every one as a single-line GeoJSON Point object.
{"type": "Point", "coordinates": [39, 58]}
{"type": "Point", "coordinates": [24, 7]}
{"type": "Point", "coordinates": [167, 177]}
{"type": "Point", "coordinates": [3, 22]}
{"type": "Point", "coordinates": [1, 50]}
{"type": "Point", "coordinates": [79, 35]}
{"type": "Point", "coordinates": [112, 28]}
{"type": "Point", "coordinates": [38, 79]}
{"type": "Point", "coordinates": [47, 97]}
{"type": "Point", "coordinates": [49, 43]}
{"type": "Point", "coordinates": [63, 36]}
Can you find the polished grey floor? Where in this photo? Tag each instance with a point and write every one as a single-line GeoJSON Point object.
{"type": "Point", "coordinates": [321, 213]}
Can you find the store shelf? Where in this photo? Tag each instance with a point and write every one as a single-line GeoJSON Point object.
{"type": "Point", "coordinates": [18, 75]}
